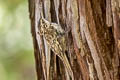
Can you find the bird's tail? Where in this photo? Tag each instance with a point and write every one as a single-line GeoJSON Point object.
{"type": "Point", "coordinates": [67, 65]}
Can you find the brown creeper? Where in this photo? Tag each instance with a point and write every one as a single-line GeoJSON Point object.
{"type": "Point", "coordinates": [55, 38]}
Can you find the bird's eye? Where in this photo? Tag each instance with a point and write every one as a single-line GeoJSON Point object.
{"type": "Point", "coordinates": [43, 22]}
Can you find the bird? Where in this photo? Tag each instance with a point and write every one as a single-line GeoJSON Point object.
{"type": "Point", "coordinates": [55, 38]}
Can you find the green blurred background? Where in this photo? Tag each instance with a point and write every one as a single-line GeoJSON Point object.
{"type": "Point", "coordinates": [16, 49]}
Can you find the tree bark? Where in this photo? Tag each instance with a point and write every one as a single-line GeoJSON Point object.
{"type": "Point", "coordinates": [93, 38]}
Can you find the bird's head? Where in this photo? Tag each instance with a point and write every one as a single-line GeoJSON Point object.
{"type": "Point", "coordinates": [43, 24]}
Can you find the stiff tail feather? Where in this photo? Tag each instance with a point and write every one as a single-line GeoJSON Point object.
{"type": "Point", "coordinates": [67, 65]}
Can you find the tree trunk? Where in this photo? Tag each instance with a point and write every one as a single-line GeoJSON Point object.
{"type": "Point", "coordinates": [93, 38]}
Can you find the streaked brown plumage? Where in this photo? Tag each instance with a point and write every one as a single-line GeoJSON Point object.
{"type": "Point", "coordinates": [54, 35]}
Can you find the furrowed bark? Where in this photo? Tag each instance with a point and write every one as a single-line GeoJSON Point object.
{"type": "Point", "coordinates": [93, 38]}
